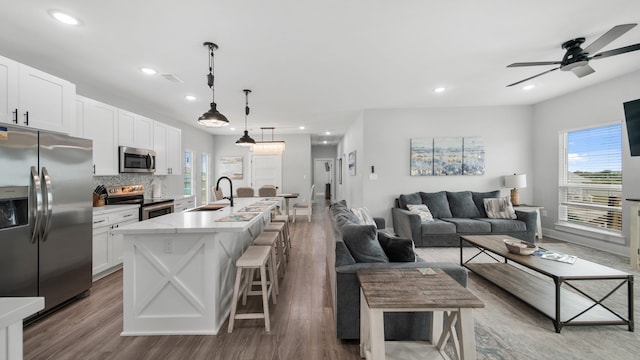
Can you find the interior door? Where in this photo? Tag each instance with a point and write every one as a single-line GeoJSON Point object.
{"type": "Point", "coordinates": [323, 178]}
{"type": "Point", "coordinates": [266, 170]}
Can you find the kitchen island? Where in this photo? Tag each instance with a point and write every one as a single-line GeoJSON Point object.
{"type": "Point", "coordinates": [179, 269]}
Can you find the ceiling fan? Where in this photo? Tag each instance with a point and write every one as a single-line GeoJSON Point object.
{"type": "Point", "coordinates": [577, 59]}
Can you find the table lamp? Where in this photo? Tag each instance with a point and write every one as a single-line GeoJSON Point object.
{"type": "Point", "coordinates": [515, 182]}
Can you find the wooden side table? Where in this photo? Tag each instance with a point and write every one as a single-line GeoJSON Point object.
{"type": "Point", "coordinates": [408, 290]}
{"type": "Point", "coordinates": [536, 209]}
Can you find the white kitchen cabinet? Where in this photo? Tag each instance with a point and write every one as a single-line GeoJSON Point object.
{"type": "Point", "coordinates": [100, 124]}
{"type": "Point", "coordinates": [30, 97]}
{"type": "Point", "coordinates": [8, 90]}
{"type": "Point", "coordinates": [167, 143]}
{"type": "Point", "coordinates": [184, 203]}
{"type": "Point", "coordinates": [107, 246]}
{"type": "Point", "coordinates": [135, 130]}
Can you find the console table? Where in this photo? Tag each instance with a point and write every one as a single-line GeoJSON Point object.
{"type": "Point", "coordinates": [408, 290]}
{"type": "Point", "coordinates": [634, 238]}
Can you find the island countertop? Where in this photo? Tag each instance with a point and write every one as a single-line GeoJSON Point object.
{"type": "Point", "coordinates": [194, 221]}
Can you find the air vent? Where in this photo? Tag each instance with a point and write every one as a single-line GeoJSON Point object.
{"type": "Point", "coordinates": [172, 78]}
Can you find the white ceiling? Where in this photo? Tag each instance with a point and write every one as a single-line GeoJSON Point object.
{"type": "Point", "coordinates": [314, 64]}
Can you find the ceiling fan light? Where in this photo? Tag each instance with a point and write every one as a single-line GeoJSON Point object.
{"type": "Point", "coordinates": [213, 118]}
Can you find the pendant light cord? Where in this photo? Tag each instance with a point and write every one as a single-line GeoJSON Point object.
{"type": "Point", "coordinates": [210, 77]}
{"type": "Point", "coordinates": [246, 107]}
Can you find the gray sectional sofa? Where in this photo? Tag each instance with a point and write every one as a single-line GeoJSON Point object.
{"type": "Point", "coordinates": [455, 214]}
{"type": "Point", "coordinates": [348, 251]}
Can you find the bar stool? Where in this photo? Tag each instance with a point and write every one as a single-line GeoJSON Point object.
{"type": "Point", "coordinates": [255, 257]}
{"type": "Point", "coordinates": [284, 219]}
{"type": "Point", "coordinates": [283, 251]}
{"type": "Point", "coordinates": [270, 238]}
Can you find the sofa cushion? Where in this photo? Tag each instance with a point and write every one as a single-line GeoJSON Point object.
{"type": "Point", "coordinates": [499, 208]}
{"type": "Point", "coordinates": [506, 225]}
{"type": "Point", "coordinates": [397, 249]}
{"type": "Point", "coordinates": [470, 225]}
{"type": "Point", "coordinates": [409, 199]}
{"type": "Point", "coordinates": [478, 198]}
{"type": "Point", "coordinates": [462, 205]}
{"type": "Point", "coordinates": [422, 210]}
{"type": "Point", "coordinates": [438, 227]}
{"type": "Point", "coordinates": [363, 216]}
{"type": "Point", "coordinates": [437, 203]}
{"type": "Point", "coordinates": [362, 242]}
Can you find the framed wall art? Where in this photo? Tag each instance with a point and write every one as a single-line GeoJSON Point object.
{"type": "Point", "coordinates": [231, 166]}
{"type": "Point", "coordinates": [352, 163]}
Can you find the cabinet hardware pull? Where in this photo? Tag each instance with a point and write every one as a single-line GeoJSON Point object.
{"type": "Point", "coordinates": [26, 116]}
{"type": "Point", "coordinates": [15, 116]}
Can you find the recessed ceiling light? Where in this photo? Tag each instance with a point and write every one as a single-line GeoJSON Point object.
{"type": "Point", "coordinates": [301, 128]}
{"type": "Point", "coordinates": [190, 98]}
{"type": "Point", "coordinates": [324, 142]}
{"type": "Point", "coordinates": [232, 129]}
{"type": "Point", "coordinates": [64, 18]}
{"type": "Point", "coordinates": [439, 90]}
{"type": "Point", "coordinates": [148, 71]}
{"type": "Point", "coordinates": [328, 133]}
{"type": "Point", "coordinates": [528, 87]}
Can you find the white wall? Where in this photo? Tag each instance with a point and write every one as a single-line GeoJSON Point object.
{"type": "Point", "coordinates": [385, 143]}
{"type": "Point", "coordinates": [593, 106]}
{"type": "Point", "coordinates": [296, 162]}
{"type": "Point", "coordinates": [353, 140]}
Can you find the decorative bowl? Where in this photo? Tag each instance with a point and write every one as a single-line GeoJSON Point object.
{"type": "Point", "coordinates": [520, 247]}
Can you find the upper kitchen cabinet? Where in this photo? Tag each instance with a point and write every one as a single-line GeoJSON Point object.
{"type": "Point", "coordinates": [167, 143]}
{"type": "Point", "coordinates": [30, 97]}
{"type": "Point", "coordinates": [100, 124]}
{"type": "Point", "coordinates": [135, 130]}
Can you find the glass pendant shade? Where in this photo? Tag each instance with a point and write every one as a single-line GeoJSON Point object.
{"type": "Point", "coordinates": [268, 147]}
{"type": "Point", "coordinates": [213, 118]}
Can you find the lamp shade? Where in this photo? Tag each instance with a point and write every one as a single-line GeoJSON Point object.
{"type": "Point", "coordinates": [515, 181]}
{"type": "Point", "coordinates": [213, 118]}
{"type": "Point", "coordinates": [245, 140]}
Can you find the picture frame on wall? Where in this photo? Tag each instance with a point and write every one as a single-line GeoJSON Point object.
{"type": "Point", "coordinates": [231, 166]}
{"type": "Point", "coordinates": [340, 171]}
{"type": "Point", "coordinates": [352, 163]}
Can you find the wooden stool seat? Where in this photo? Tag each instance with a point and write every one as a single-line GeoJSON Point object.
{"type": "Point", "coordinates": [284, 219]}
{"type": "Point", "coordinates": [255, 257]}
{"type": "Point", "coordinates": [270, 239]}
{"type": "Point", "coordinates": [283, 251]}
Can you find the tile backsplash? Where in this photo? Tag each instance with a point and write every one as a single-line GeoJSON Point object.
{"type": "Point", "coordinates": [132, 179]}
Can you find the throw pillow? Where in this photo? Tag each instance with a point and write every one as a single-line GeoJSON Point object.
{"type": "Point", "coordinates": [397, 249]}
{"type": "Point", "coordinates": [437, 203]}
{"type": "Point", "coordinates": [362, 242]}
{"type": "Point", "coordinates": [422, 210]}
{"type": "Point", "coordinates": [499, 208]}
{"type": "Point", "coordinates": [478, 198]}
{"type": "Point", "coordinates": [363, 216]}
{"type": "Point", "coordinates": [462, 205]}
{"type": "Point", "coordinates": [406, 199]}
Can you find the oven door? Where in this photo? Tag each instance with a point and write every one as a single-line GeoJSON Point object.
{"type": "Point", "coordinates": [134, 160]}
{"type": "Point", "coordinates": [151, 211]}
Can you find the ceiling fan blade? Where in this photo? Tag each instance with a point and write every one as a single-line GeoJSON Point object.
{"type": "Point", "coordinates": [617, 51]}
{"type": "Point", "coordinates": [533, 77]}
{"type": "Point", "coordinates": [583, 71]}
{"type": "Point", "coordinates": [608, 37]}
{"type": "Point", "coordinates": [535, 63]}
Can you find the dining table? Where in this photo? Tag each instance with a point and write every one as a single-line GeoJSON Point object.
{"type": "Point", "coordinates": [286, 197]}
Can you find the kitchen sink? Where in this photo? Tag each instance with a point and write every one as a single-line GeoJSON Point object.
{"type": "Point", "coordinates": [210, 207]}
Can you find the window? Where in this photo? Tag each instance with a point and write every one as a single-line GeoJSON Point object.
{"type": "Point", "coordinates": [204, 178]}
{"type": "Point", "coordinates": [590, 188]}
{"type": "Point", "coordinates": [188, 172]}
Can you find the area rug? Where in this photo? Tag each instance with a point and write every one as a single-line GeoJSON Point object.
{"type": "Point", "coordinates": [507, 328]}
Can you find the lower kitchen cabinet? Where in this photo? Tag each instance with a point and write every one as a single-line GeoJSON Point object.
{"type": "Point", "coordinates": [107, 246]}
{"type": "Point", "coordinates": [184, 203]}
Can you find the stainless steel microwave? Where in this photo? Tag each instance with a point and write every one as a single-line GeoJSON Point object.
{"type": "Point", "coordinates": [134, 160]}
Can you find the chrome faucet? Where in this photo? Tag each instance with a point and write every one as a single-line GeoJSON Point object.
{"type": "Point", "coordinates": [230, 198]}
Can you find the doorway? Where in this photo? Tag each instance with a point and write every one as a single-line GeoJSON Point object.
{"type": "Point", "coordinates": [323, 175]}
{"type": "Point", "coordinates": [266, 170]}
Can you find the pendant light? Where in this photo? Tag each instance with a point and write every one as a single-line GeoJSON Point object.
{"type": "Point", "coordinates": [212, 118]}
{"type": "Point", "coordinates": [246, 140]}
{"type": "Point", "coordinates": [273, 147]}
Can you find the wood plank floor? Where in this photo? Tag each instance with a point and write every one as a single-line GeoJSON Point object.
{"type": "Point", "coordinates": [302, 325]}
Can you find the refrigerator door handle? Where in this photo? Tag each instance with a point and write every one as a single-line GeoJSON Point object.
{"type": "Point", "coordinates": [37, 209]}
{"type": "Point", "coordinates": [49, 202]}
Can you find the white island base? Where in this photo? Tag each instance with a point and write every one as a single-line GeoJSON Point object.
{"type": "Point", "coordinates": [179, 271]}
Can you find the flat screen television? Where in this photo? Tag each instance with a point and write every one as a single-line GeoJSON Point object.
{"type": "Point", "coordinates": [632, 115]}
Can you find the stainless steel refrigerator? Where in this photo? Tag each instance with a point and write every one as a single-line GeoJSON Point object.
{"type": "Point", "coordinates": [45, 215]}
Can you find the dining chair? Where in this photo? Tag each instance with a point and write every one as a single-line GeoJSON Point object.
{"type": "Point", "coordinates": [244, 192]}
{"type": "Point", "coordinates": [217, 194]}
{"type": "Point", "coordinates": [305, 205]}
{"type": "Point", "coordinates": [267, 190]}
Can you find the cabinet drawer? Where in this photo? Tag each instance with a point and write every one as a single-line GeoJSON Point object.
{"type": "Point", "coordinates": [123, 216]}
{"type": "Point", "coordinates": [100, 221]}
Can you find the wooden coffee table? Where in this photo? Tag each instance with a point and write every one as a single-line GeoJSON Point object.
{"type": "Point", "coordinates": [551, 298]}
{"type": "Point", "coordinates": [408, 290]}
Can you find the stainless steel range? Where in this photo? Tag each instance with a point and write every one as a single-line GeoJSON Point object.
{"type": "Point", "coordinates": [134, 194]}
